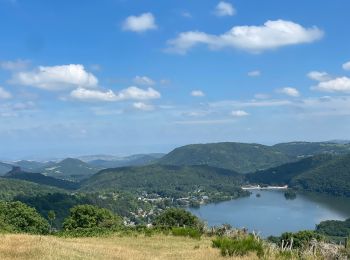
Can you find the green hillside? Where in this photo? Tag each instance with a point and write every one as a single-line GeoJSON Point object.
{"type": "Point", "coordinates": [10, 188]}
{"type": "Point", "coordinates": [169, 181]}
{"type": "Point", "coordinates": [70, 169]}
{"type": "Point", "coordinates": [17, 173]}
{"type": "Point", "coordinates": [240, 157]}
{"type": "Point", "coordinates": [283, 174]}
{"type": "Point", "coordinates": [331, 178]}
{"type": "Point", "coordinates": [302, 149]}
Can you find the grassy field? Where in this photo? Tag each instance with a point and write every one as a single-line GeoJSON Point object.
{"type": "Point", "coordinates": [115, 247]}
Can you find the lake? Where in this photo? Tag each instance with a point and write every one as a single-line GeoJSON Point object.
{"type": "Point", "coordinates": [272, 214]}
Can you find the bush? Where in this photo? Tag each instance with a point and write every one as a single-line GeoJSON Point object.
{"type": "Point", "coordinates": [91, 217]}
{"type": "Point", "coordinates": [238, 246]}
{"type": "Point", "coordinates": [186, 232]}
{"type": "Point", "coordinates": [18, 217]}
{"type": "Point", "coordinates": [301, 238]}
{"type": "Point", "coordinates": [86, 232]}
{"type": "Point", "coordinates": [178, 218]}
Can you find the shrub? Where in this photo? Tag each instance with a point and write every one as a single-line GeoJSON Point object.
{"type": "Point", "coordinates": [90, 217]}
{"type": "Point", "coordinates": [18, 217]}
{"type": "Point", "coordinates": [238, 246]}
{"type": "Point", "coordinates": [178, 218]}
{"type": "Point", "coordinates": [186, 232]}
{"type": "Point", "coordinates": [301, 238]}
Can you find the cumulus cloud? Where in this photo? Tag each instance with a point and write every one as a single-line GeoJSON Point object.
{"type": "Point", "coordinates": [56, 77]}
{"type": "Point", "coordinates": [197, 93]}
{"type": "Point", "coordinates": [144, 80]}
{"type": "Point", "coordinates": [141, 23]}
{"type": "Point", "coordinates": [15, 65]}
{"type": "Point", "coordinates": [319, 76]}
{"type": "Point", "coordinates": [292, 92]}
{"type": "Point", "coordinates": [255, 39]}
{"type": "Point", "coordinates": [130, 93]}
{"type": "Point", "coordinates": [224, 9]}
{"type": "Point", "coordinates": [341, 84]}
{"type": "Point", "coordinates": [346, 66]}
{"type": "Point", "coordinates": [254, 73]}
{"type": "Point", "coordinates": [142, 106]}
{"type": "Point", "coordinates": [239, 113]}
{"type": "Point", "coordinates": [4, 94]}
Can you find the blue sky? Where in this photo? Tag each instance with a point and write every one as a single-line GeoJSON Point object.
{"type": "Point", "coordinates": [135, 76]}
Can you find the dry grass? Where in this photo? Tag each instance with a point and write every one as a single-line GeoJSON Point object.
{"type": "Point", "coordinates": [115, 247]}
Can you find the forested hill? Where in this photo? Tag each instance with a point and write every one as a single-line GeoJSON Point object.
{"type": "Point", "coordinates": [10, 188]}
{"type": "Point", "coordinates": [321, 173]}
{"type": "Point", "coordinates": [171, 181]}
{"type": "Point", "coordinates": [17, 173]}
{"type": "Point", "coordinates": [332, 177]}
{"type": "Point", "coordinates": [240, 157]}
{"type": "Point", "coordinates": [304, 149]}
{"type": "Point", "coordinates": [70, 169]}
{"type": "Point", "coordinates": [283, 174]}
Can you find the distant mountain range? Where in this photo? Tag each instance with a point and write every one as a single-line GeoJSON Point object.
{"type": "Point", "coordinates": [315, 166]}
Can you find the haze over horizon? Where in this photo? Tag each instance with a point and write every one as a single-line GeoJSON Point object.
{"type": "Point", "coordinates": [126, 77]}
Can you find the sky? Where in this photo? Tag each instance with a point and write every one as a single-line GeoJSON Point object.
{"type": "Point", "coordinates": [138, 76]}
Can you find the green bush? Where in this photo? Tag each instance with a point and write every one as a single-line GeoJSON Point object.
{"type": "Point", "coordinates": [178, 218]}
{"type": "Point", "coordinates": [301, 238]}
{"type": "Point", "coordinates": [186, 232]}
{"type": "Point", "coordinates": [18, 217]}
{"type": "Point", "coordinates": [86, 232]}
{"type": "Point", "coordinates": [91, 217]}
{"type": "Point", "coordinates": [238, 246]}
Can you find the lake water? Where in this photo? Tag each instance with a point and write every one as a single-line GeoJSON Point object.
{"type": "Point", "coordinates": [272, 214]}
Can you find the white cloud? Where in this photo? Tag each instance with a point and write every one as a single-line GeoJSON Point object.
{"type": "Point", "coordinates": [225, 9]}
{"type": "Point", "coordinates": [15, 65]}
{"type": "Point", "coordinates": [319, 76]}
{"type": "Point", "coordinates": [239, 113]}
{"type": "Point", "coordinates": [130, 93]}
{"type": "Point", "coordinates": [141, 23]}
{"type": "Point", "coordinates": [346, 66]}
{"type": "Point", "coordinates": [293, 92]}
{"type": "Point", "coordinates": [255, 39]}
{"type": "Point", "coordinates": [254, 73]}
{"type": "Point", "coordinates": [197, 93]}
{"type": "Point", "coordinates": [142, 106]}
{"type": "Point", "coordinates": [144, 80]}
{"type": "Point", "coordinates": [341, 84]}
{"type": "Point", "coordinates": [4, 94]}
{"type": "Point", "coordinates": [56, 77]}
{"type": "Point", "coordinates": [261, 96]}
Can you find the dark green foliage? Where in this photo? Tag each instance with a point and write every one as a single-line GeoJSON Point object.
{"type": "Point", "coordinates": [167, 181]}
{"type": "Point", "coordinates": [240, 157]}
{"type": "Point", "coordinates": [332, 178]}
{"type": "Point", "coordinates": [10, 188]}
{"type": "Point", "coordinates": [90, 217]}
{"type": "Point", "coordinates": [300, 239]}
{"type": "Point", "coordinates": [18, 217]}
{"type": "Point", "coordinates": [58, 202]}
{"type": "Point", "coordinates": [283, 174]}
{"type": "Point", "coordinates": [290, 194]}
{"type": "Point", "coordinates": [302, 149]}
{"type": "Point", "coordinates": [240, 246]}
{"type": "Point", "coordinates": [186, 232]}
{"type": "Point", "coordinates": [334, 228]}
{"type": "Point", "coordinates": [39, 178]}
{"type": "Point", "coordinates": [174, 217]}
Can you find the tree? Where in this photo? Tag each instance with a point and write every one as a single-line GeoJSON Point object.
{"type": "Point", "coordinates": [88, 216]}
{"type": "Point", "coordinates": [18, 217]}
{"type": "Point", "coordinates": [51, 215]}
{"type": "Point", "coordinates": [174, 217]}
